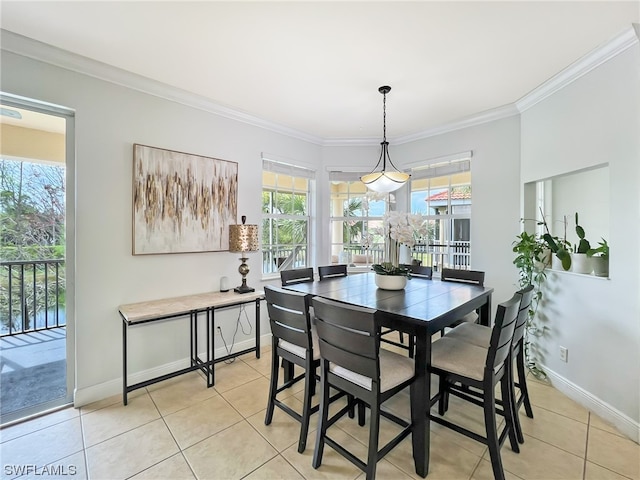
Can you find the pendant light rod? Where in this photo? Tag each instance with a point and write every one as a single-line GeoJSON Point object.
{"type": "Point", "coordinates": [384, 181]}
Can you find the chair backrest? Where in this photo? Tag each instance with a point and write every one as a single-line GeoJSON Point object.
{"type": "Point", "coordinates": [422, 272]}
{"type": "Point", "coordinates": [474, 277]}
{"type": "Point", "coordinates": [289, 316]}
{"type": "Point", "coordinates": [523, 313]}
{"type": "Point", "coordinates": [348, 337]}
{"type": "Point", "coordinates": [330, 271]}
{"type": "Point", "coordinates": [297, 275]}
{"type": "Point", "coordinates": [502, 334]}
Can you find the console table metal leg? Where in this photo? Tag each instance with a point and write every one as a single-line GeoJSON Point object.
{"type": "Point", "coordinates": [210, 353]}
{"type": "Point", "coordinates": [124, 362]}
{"type": "Point", "coordinates": [212, 381]}
{"type": "Point", "coordinates": [193, 348]}
{"type": "Point", "coordinates": [258, 328]}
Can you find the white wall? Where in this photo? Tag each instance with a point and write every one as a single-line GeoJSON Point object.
{"type": "Point", "coordinates": [592, 121]}
{"type": "Point", "coordinates": [109, 120]}
{"type": "Point", "coordinates": [495, 170]}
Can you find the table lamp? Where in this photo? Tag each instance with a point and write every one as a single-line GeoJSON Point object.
{"type": "Point", "coordinates": [243, 238]}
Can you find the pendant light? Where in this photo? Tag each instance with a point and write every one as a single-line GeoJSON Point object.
{"type": "Point", "coordinates": [384, 181]}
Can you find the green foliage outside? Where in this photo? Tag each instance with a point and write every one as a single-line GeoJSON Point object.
{"type": "Point", "coordinates": [32, 227]}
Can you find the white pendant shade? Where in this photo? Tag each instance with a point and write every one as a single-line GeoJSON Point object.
{"type": "Point", "coordinates": [385, 182]}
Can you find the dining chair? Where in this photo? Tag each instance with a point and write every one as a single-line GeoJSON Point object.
{"type": "Point", "coordinates": [417, 271]}
{"type": "Point", "coordinates": [351, 360]}
{"type": "Point", "coordinates": [331, 271]}
{"type": "Point", "coordinates": [296, 275]}
{"type": "Point", "coordinates": [473, 277]}
{"type": "Point", "coordinates": [461, 366]}
{"type": "Point", "coordinates": [293, 340]}
{"type": "Point", "coordinates": [481, 336]}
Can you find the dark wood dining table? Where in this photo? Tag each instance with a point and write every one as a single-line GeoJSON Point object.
{"type": "Point", "coordinates": [422, 308]}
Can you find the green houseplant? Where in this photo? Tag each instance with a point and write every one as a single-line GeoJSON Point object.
{"type": "Point", "coordinates": [531, 251]}
{"type": "Point", "coordinates": [560, 247]}
{"type": "Point", "coordinates": [580, 262]}
{"type": "Point", "coordinates": [600, 259]}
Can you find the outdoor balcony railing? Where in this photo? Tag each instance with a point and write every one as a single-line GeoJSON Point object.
{"type": "Point", "coordinates": [32, 296]}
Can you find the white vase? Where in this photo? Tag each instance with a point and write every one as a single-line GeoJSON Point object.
{"type": "Point", "coordinates": [580, 263]}
{"type": "Point", "coordinates": [391, 282]}
{"type": "Point", "coordinates": [600, 266]}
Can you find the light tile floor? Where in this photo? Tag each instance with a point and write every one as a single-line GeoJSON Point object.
{"type": "Point", "coordinates": [179, 429]}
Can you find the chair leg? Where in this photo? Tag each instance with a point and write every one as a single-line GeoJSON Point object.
{"type": "Point", "coordinates": [309, 384]}
{"type": "Point", "coordinates": [273, 385]}
{"type": "Point", "coordinates": [522, 382]}
{"type": "Point", "coordinates": [374, 433]}
{"type": "Point", "coordinates": [492, 434]}
{"type": "Point", "coordinates": [323, 417]}
{"type": "Point", "coordinates": [506, 388]}
{"type": "Point", "coordinates": [361, 413]}
{"type": "Point", "coordinates": [401, 337]}
{"type": "Point", "coordinates": [443, 397]}
{"type": "Point", "coordinates": [514, 403]}
{"type": "Point", "coordinates": [412, 346]}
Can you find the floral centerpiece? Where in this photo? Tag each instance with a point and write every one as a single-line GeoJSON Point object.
{"type": "Point", "coordinates": [400, 230]}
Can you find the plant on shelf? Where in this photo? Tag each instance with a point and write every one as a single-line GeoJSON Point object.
{"type": "Point", "coordinates": [600, 258]}
{"type": "Point", "coordinates": [581, 263]}
{"type": "Point", "coordinates": [560, 247]}
{"type": "Point", "coordinates": [531, 261]}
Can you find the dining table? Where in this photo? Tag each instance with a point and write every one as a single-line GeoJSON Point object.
{"type": "Point", "coordinates": [422, 308]}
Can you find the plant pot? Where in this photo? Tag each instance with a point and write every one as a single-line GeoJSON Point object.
{"type": "Point", "coordinates": [600, 266]}
{"type": "Point", "coordinates": [391, 282]}
{"type": "Point", "coordinates": [580, 263]}
{"type": "Point", "coordinates": [556, 263]}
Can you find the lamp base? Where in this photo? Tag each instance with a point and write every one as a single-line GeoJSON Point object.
{"type": "Point", "coordinates": [244, 289]}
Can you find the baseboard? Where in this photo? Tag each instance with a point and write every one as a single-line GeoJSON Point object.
{"type": "Point", "coordinates": [84, 396]}
{"type": "Point", "coordinates": [622, 422]}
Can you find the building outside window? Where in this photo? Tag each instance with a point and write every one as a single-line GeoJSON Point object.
{"type": "Point", "coordinates": [286, 206]}
{"type": "Point", "coordinates": [355, 216]}
{"type": "Point", "coordinates": [442, 191]}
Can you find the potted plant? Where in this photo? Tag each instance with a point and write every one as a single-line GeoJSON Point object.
{"type": "Point", "coordinates": [531, 260]}
{"type": "Point", "coordinates": [580, 261]}
{"type": "Point", "coordinates": [561, 248]}
{"type": "Point", "coordinates": [600, 259]}
{"type": "Point", "coordinates": [400, 230]}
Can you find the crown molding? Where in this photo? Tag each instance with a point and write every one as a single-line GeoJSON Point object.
{"type": "Point", "coordinates": [584, 65]}
{"type": "Point", "coordinates": [470, 121]}
{"type": "Point", "coordinates": [36, 50]}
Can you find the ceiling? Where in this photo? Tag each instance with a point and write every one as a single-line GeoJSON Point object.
{"type": "Point", "coordinates": [316, 66]}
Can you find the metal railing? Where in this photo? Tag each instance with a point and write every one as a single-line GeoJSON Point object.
{"type": "Point", "coordinates": [32, 296]}
{"type": "Point", "coordinates": [448, 255]}
{"type": "Point", "coordinates": [275, 259]}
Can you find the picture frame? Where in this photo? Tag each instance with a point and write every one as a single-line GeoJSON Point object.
{"type": "Point", "coordinates": [182, 203]}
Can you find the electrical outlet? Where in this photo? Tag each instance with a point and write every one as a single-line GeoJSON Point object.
{"type": "Point", "coordinates": [564, 354]}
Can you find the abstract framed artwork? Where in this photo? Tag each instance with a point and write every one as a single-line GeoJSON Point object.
{"type": "Point", "coordinates": [182, 203]}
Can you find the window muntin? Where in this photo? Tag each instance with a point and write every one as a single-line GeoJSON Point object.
{"type": "Point", "coordinates": [443, 193]}
{"type": "Point", "coordinates": [355, 218]}
{"type": "Point", "coordinates": [285, 218]}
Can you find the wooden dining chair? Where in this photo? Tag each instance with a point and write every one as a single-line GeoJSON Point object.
{"type": "Point", "coordinates": [417, 271]}
{"type": "Point", "coordinates": [472, 277]}
{"type": "Point", "coordinates": [332, 271]}
{"type": "Point", "coordinates": [293, 340]}
{"type": "Point", "coordinates": [481, 336]}
{"type": "Point", "coordinates": [462, 366]}
{"type": "Point", "coordinates": [296, 275]}
{"type": "Point", "coordinates": [352, 361]}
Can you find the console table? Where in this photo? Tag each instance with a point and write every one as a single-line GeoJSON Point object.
{"type": "Point", "coordinates": [135, 314]}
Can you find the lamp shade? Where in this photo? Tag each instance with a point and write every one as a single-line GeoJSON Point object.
{"type": "Point", "coordinates": [385, 182]}
{"type": "Point", "coordinates": [243, 238]}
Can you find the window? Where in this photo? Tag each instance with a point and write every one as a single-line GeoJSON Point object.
{"type": "Point", "coordinates": [286, 193]}
{"type": "Point", "coordinates": [355, 215]}
{"type": "Point", "coordinates": [442, 191]}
